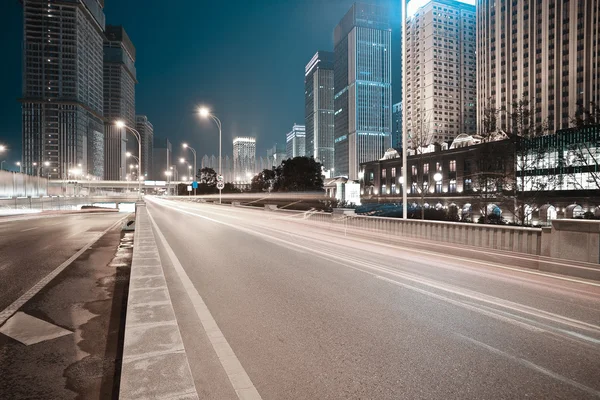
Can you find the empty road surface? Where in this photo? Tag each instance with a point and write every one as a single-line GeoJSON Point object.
{"type": "Point", "coordinates": [33, 247]}
{"type": "Point", "coordinates": [313, 314]}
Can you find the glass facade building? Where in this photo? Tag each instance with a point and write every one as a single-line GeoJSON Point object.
{"type": "Point", "coordinates": [244, 158]}
{"type": "Point", "coordinates": [318, 101]}
{"type": "Point", "coordinates": [119, 101]}
{"type": "Point", "coordinates": [62, 104]}
{"type": "Point", "coordinates": [296, 142]}
{"type": "Point", "coordinates": [362, 87]}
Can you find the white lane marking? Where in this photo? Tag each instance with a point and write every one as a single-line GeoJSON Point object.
{"type": "Point", "coordinates": [243, 386]}
{"type": "Point", "coordinates": [333, 256]}
{"type": "Point", "coordinates": [533, 366]}
{"type": "Point", "coordinates": [14, 307]}
{"type": "Point", "coordinates": [413, 250]}
{"type": "Point", "coordinates": [30, 229]}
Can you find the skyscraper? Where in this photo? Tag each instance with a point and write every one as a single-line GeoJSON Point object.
{"type": "Point", "coordinates": [62, 102]}
{"type": "Point", "coordinates": [119, 101]}
{"type": "Point", "coordinates": [276, 155]}
{"type": "Point", "coordinates": [244, 157]}
{"type": "Point", "coordinates": [397, 125]}
{"type": "Point", "coordinates": [318, 101]}
{"type": "Point", "coordinates": [546, 52]}
{"type": "Point", "coordinates": [440, 72]}
{"type": "Point", "coordinates": [146, 130]}
{"type": "Point", "coordinates": [363, 88]}
{"type": "Point", "coordinates": [295, 141]}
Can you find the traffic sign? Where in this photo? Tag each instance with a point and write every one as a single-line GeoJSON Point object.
{"type": "Point", "coordinates": [195, 185]}
{"type": "Point", "coordinates": [220, 185]}
{"type": "Point", "coordinates": [189, 188]}
{"type": "Point", "coordinates": [219, 178]}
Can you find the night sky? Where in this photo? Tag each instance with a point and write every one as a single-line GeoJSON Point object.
{"type": "Point", "coordinates": [244, 59]}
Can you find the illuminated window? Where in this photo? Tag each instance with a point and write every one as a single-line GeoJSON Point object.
{"type": "Point", "coordinates": [383, 173]}
{"type": "Point", "coordinates": [453, 166]}
{"type": "Point", "coordinates": [394, 172]}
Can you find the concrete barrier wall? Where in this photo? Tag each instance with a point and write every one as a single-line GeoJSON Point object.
{"type": "Point", "coordinates": [58, 203]}
{"type": "Point", "coordinates": [15, 184]}
{"type": "Point", "coordinates": [577, 240]}
{"type": "Point", "coordinates": [507, 238]}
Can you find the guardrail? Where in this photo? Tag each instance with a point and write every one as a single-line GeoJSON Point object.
{"type": "Point", "coordinates": [58, 202]}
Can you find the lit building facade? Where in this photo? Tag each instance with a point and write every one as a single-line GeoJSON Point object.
{"type": "Point", "coordinates": [362, 87]}
{"type": "Point", "coordinates": [62, 103]}
{"type": "Point", "coordinates": [440, 72]}
{"type": "Point", "coordinates": [146, 130]}
{"type": "Point", "coordinates": [318, 101]}
{"type": "Point", "coordinates": [244, 158]}
{"type": "Point", "coordinates": [295, 141]}
{"type": "Point", "coordinates": [119, 101]}
{"type": "Point", "coordinates": [546, 52]}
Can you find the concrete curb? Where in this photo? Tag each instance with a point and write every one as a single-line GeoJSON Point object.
{"type": "Point", "coordinates": [155, 365]}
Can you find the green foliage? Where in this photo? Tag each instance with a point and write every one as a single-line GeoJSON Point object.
{"type": "Point", "coordinates": [263, 181]}
{"type": "Point", "coordinates": [299, 174]}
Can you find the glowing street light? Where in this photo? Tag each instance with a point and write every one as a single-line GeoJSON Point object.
{"type": "Point", "coordinates": [205, 113]}
{"type": "Point", "coordinates": [122, 125]}
{"type": "Point", "coordinates": [192, 178]}
{"type": "Point", "coordinates": [18, 163]}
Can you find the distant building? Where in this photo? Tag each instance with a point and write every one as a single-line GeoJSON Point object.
{"type": "Point", "coordinates": [162, 158]}
{"type": "Point", "coordinates": [146, 130]}
{"type": "Point", "coordinates": [363, 87]}
{"type": "Point", "coordinates": [62, 103]}
{"type": "Point", "coordinates": [546, 52]}
{"type": "Point", "coordinates": [226, 166]}
{"type": "Point", "coordinates": [276, 155]}
{"type": "Point", "coordinates": [296, 141]}
{"type": "Point", "coordinates": [440, 72]}
{"type": "Point", "coordinates": [119, 101]}
{"type": "Point", "coordinates": [244, 158]}
{"type": "Point", "coordinates": [397, 125]}
{"type": "Point", "coordinates": [318, 101]}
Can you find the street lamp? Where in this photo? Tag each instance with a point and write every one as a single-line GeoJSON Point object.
{"type": "Point", "coordinates": [168, 174]}
{"type": "Point", "coordinates": [193, 177]}
{"type": "Point", "coordinates": [121, 124]}
{"type": "Point", "coordinates": [205, 113]}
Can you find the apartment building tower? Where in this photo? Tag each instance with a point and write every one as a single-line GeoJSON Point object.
{"type": "Point", "coordinates": [119, 101]}
{"type": "Point", "coordinates": [545, 52]}
{"type": "Point", "coordinates": [440, 72]}
{"type": "Point", "coordinates": [318, 101]}
{"type": "Point", "coordinates": [362, 87]}
{"type": "Point", "coordinates": [62, 103]}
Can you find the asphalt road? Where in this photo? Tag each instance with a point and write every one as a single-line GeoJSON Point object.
{"type": "Point", "coordinates": [32, 247]}
{"type": "Point", "coordinates": [315, 314]}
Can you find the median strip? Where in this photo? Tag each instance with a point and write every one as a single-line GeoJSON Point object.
{"type": "Point", "coordinates": [155, 364]}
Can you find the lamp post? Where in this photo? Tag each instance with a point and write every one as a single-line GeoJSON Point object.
{"type": "Point", "coordinates": [47, 164]}
{"type": "Point", "coordinates": [205, 113]}
{"type": "Point", "coordinates": [193, 178]}
{"type": "Point", "coordinates": [121, 124]}
{"type": "Point", "coordinates": [168, 174]}
{"type": "Point", "coordinates": [18, 163]}
{"type": "Point", "coordinates": [2, 150]}
{"type": "Point", "coordinates": [2, 164]}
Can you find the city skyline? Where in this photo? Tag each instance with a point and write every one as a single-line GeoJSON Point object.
{"type": "Point", "coordinates": [175, 116]}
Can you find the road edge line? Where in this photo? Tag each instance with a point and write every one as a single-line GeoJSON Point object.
{"type": "Point", "coordinates": [35, 289]}
{"type": "Point", "coordinates": [237, 375]}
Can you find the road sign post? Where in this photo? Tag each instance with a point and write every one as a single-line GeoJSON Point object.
{"type": "Point", "coordinates": [220, 185]}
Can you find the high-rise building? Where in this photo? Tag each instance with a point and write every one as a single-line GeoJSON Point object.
{"type": "Point", "coordinates": [440, 72]}
{"type": "Point", "coordinates": [62, 103]}
{"type": "Point", "coordinates": [363, 88]}
{"type": "Point", "coordinates": [244, 158]}
{"type": "Point", "coordinates": [318, 102]}
{"type": "Point", "coordinates": [119, 101]}
{"type": "Point", "coordinates": [276, 155]}
{"type": "Point", "coordinates": [546, 52]}
{"type": "Point", "coordinates": [162, 158]}
{"type": "Point", "coordinates": [397, 125]}
{"type": "Point", "coordinates": [295, 141]}
{"type": "Point", "coordinates": [146, 130]}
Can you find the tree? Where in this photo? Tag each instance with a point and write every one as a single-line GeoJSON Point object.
{"type": "Point", "coordinates": [298, 174]}
{"type": "Point", "coordinates": [208, 176]}
{"type": "Point", "coordinates": [263, 181]}
{"type": "Point", "coordinates": [529, 158]}
{"type": "Point", "coordinates": [420, 140]}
